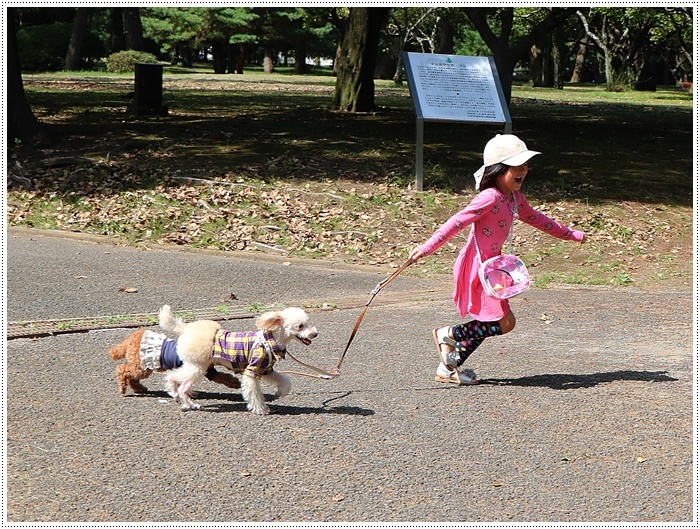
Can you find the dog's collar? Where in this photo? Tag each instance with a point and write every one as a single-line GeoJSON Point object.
{"type": "Point", "coordinates": [267, 341]}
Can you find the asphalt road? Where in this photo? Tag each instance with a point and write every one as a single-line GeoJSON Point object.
{"type": "Point", "coordinates": [584, 413]}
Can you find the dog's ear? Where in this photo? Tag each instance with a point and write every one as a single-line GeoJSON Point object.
{"type": "Point", "coordinates": [270, 320]}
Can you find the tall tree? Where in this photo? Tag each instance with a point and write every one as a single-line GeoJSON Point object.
{"type": "Point", "coordinates": [74, 56]}
{"type": "Point", "coordinates": [446, 34]}
{"type": "Point", "coordinates": [21, 122]}
{"type": "Point", "coordinates": [116, 29]}
{"type": "Point", "coordinates": [580, 60]}
{"type": "Point", "coordinates": [134, 29]}
{"type": "Point", "coordinates": [354, 87]}
{"type": "Point", "coordinates": [508, 48]}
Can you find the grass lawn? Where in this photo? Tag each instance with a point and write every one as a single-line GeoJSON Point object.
{"type": "Point", "coordinates": [260, 162]}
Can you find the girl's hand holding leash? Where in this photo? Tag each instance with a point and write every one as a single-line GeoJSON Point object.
{"type": "Point", "coordinates": [415, 254]}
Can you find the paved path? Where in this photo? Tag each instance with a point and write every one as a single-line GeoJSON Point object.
{"type": "Point", "coordinates": [583, 415]}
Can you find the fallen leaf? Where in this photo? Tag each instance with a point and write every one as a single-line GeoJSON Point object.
{"type": "Point", "coordinates": [641, 459]}
{"type": "Point", "coordinates": [129, 290]}
{"type": "Point", "coordinates": [339, 497]}
{"type": "Point", "coordinates": [496, 484]}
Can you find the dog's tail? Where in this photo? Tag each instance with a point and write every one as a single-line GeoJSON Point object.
{"type": "Point", "coordinates": [118, 352]}
{"type": "Point", "coordinates": [168, 321]}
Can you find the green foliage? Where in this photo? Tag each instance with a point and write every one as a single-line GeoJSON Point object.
{"type": "Point", "coordinates": [469, 42]}
{"type": "Point", "coordinates": [124, 61]}
{"type": "Point", "coordinates": [178, 28]}
{"type": "Point", "coordinates": [42, 48]}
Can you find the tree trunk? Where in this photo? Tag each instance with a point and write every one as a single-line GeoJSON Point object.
{"type": "Point", "coordinates": [186, 54]}
{"type": "Point", "coordinates": [398, 71]}
{"type": "Point", "coordinates": [116, 28]}
{"type": "Point", "coordinates": [503, 55]}
{"type": "Point", "coordinates": [540, 71]}
{"type": "Point", "coordinates": [354, 87]}
{"type": "Point", "coordinates": [268, 64]}
{"type": "Point", "coordinates": [21, 122]}
{"type": "Point", "coordinates": [134, 29]}
{"type": "Point", "coordinates": [74, 56]}
{"type": "Point", "coordinates": [300, 59]}
{"type": "Point", "coordinates": [336, 59]}
{"type": "Point", "coordinates": [446, 33]}
{"type": "Point", "coordinates": [646, 81]}
{"type": "Point", "coordinates": [240, 59]}
{"type": "Point", "coordinates": [231, 58]}
{"type": "Point", "coordinates": [219, 51]}
{"type": "Point", "coordinates": [580, 60]}
{"type": "Point", "coordinates": [558, 46]}
{"type": "Point", "coordinates": [602, 43]}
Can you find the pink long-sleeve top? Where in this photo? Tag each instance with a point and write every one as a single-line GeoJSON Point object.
{"type": "Point", "coordinates": [492, 215]}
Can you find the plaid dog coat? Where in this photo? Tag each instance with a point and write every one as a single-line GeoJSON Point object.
{"type": "Point", "coordinates": [250, 353]}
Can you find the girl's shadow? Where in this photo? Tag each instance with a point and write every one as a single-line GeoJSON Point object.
{"type": "Point", "coordinates": [563, 381]}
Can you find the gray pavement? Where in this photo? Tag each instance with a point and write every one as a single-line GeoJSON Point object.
{"type": "Point", "coordinates": [583, 415]}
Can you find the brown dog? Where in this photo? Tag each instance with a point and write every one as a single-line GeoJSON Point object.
{"type": "Point", "coordinates": [132, 372]}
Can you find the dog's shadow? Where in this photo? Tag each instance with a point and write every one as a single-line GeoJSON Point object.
{"type": "Point", "coordinates": [235, 403]}
{"type": "Point", "coordinates": [277, 409]}
{"type": "Point", "coordinates": [566, 381]}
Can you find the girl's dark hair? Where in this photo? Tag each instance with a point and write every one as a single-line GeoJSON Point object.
{"type": "Point", "coordinates": [491, 173]}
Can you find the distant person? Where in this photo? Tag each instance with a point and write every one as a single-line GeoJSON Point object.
{"type": "Point", "coordinates": [491, 212]}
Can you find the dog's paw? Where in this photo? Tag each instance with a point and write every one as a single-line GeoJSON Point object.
{"type": "Point", "coordinates": [138, 387]}
{"type": "Point", "coordinates": [282, 392]}
{"type": "Point", "coordinates": [260, 410]}
{"type": "Point", "coordinates": [284, 387]}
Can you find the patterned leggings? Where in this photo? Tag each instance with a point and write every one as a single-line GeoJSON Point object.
{"type": "Point", "coordinates": [470, 335]}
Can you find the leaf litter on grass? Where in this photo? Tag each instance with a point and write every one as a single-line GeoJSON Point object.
{"type": "Point", "coordinates": [272, 170]}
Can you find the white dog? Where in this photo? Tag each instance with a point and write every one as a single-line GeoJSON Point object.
{"type": "Point", "coordinates": [252, 354]}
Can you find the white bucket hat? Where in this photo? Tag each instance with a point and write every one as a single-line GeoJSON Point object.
{"type": "Point", "coordinates": [504, 148]}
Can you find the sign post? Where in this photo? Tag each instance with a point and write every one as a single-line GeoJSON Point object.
{"type": "Point", "coordinates": [453, 88]}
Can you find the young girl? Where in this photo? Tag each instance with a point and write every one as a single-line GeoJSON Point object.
{"type": "Point", "coordinates": [492, 213]}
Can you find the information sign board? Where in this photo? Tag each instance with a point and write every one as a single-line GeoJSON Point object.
{"type": "Point", "coordinates": [454, 88]}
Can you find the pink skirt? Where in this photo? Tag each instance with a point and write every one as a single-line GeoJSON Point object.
{"type": "Point", "coordinates": [469, 295]}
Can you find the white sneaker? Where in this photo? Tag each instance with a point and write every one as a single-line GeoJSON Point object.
{"type": "Point", "coordinates": [455, 376]}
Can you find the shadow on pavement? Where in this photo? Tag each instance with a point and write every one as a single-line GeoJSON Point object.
{"type": "Point", "coordinates": [564, 381]}
{"type": "Point", "coordinates": [236, 404]}
{"type": "Point", "coordinates": [291, 410]}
